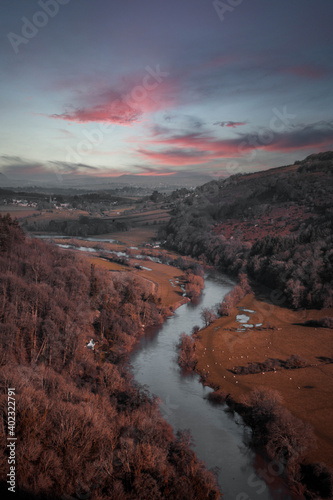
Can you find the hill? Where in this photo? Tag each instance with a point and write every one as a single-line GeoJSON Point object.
{"type": "Point", "coordinates": [274, 225]}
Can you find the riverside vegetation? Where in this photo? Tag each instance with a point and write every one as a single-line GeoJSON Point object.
{"type": "Point", "coordinates": [276, 228]}
{"type": "Point", "coordinates": [83, 428]}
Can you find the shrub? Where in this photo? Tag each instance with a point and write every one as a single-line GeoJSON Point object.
{"type": "Point", "coordinates": [186, 357]}
{"type": "Point", "coordinates": [326, 322]}
{"type": "Point", "coordinates": [284, 437]}
{"type": "Point", "coordinates": [235, 295]}
{"type": "Point", "coordinates": [218, 396]}
{"type": "Point", "coordinates": [208, 315]}
{"type": "Point", "coordinates": [318, 479]}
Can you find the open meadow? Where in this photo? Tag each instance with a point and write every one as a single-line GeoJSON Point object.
{"type": "Point", "coordinates": [307, 392]}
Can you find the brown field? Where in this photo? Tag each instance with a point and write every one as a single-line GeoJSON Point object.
{"type": "Point", "coordinates": [136, 236]}
{"type": "Point", "coordinates": [118, 211]}
{"type": "Point", "coordinates": [307, 392]}
{"type": "Point", "coordinates": [105, 264]}
{"type": "Point", "coordinates": [146, 217]}
{"type": "Point", "coordinates": [160, 275]}
{"type": "Point", "coordinates": [65, 214]}
{"type": "Point", "coordinates": [18, 212]}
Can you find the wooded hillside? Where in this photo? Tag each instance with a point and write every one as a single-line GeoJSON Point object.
{"type": "Point", "coordinates": [275, 225]}
{"type": "Point", "coordinates": [84, 430]}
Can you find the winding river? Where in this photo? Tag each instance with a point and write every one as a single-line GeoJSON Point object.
{"type": "Point", "coordinates": [217, 435]}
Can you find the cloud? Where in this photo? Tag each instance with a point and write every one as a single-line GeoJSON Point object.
{"type": "Point", "coordinates": [67, 167]}
{"type": "Point", "coordinates": [202, 148]}
{"type": "Point", "coordinates": [53, 172]}
{"type": "Point", "coordinates": [145, 171]}
{"type": "Point", "coordinates": [175, 157]}
{"type": "Point", "coordinates": [17, 167]}
{"type": "Point", "coordinates": [195, 148]}
{"type": "Point", "coordinates": [316, 135]}
{"type": "Point", "coordinates": [124, 103]}
{"type": "Point", "coordinates": [114, 111]}
{"type": "Point", "coordinates": [230, 124]}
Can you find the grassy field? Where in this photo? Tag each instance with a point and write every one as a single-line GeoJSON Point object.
{"type": "Point", "coordinates": [307, 392]}
{"type": "Point", "coordinates": [166, 280]}
{"type": "Point", "coordinates": [136, 236]}
{"type": "Point", "coordinates": [107, 265]}
{"type": "Point", "coordinates": [18, 212]}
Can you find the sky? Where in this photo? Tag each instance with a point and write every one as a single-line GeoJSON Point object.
{"type": "Point", "coordinates": [110, 87]}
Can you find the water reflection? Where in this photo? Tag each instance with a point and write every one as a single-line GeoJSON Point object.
{"type": "Point", "coordinates": [219, 437]}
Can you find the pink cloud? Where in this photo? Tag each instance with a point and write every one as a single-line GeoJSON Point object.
{"type": "Point", "coordinates": [195, 148]}
{"type": "Point", "coordinates": [198, 148]}
{"type": "Point", "coordinates": [125, 103]}
{"type": "Point", "coordinates": [208, 144]}
{"type": "Point", "coordinates": [115, 111]}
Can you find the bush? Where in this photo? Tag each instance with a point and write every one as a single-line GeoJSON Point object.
{"type": "Point", "coordinates": [235, 295]}
{"type": "Point", "coordinates": [293, 362]}
{"type": "Point", "coordinates": [285, 438]}
{"type": "Point", "coordinates": [218, 396]}
{"type": "Point", "coordinates": [208, 315]}
{"type": "Point", "coordinates": [186, 357]}
{"type": "Point", "coordinates": [325, 322]}
{"type": "Point", "coordinates": [318, 479]}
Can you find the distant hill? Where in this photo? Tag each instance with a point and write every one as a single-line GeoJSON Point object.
{"type": "Point", "coordinates": [276, 225]}
{"type": "Point", "coordinates": [159, 181]}
{"type": "Point", "coordinates": [88, 182]}
{"type": "Point", "coordinates": [3, 179]}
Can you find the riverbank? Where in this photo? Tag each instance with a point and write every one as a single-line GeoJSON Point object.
{"type": "Point", "coordinates": [111, 440]}
{"type": "Point", "coordinates": [218, 439]}
{"type": "Point", "coordinates": [166, 280]}
{"type": "Point", "coordinates": [306, 392]}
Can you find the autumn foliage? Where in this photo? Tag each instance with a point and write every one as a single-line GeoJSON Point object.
{"type": "Point", "coordinates": [235, 295]}
{"type": "Point", "coordinates": [186, 348]}
{"type": "Point", "coordinates": [84, 430]}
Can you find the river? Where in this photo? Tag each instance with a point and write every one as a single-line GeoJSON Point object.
{"type": "Point", "coordinates": [217, 435]}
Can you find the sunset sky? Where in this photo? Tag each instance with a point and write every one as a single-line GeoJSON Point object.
{"type": "Point", "coordinates": [107, 87]}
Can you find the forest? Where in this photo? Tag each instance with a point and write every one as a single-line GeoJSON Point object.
{"type": "Point", "coordinates": [84, 429]}
{"type": "Point", "coordinates": [276, 226]}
